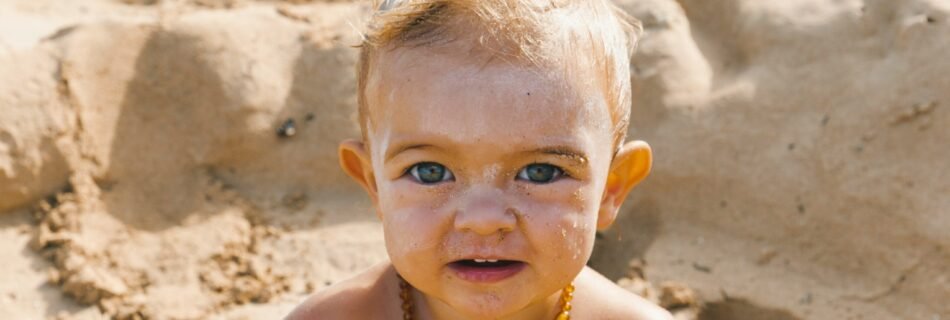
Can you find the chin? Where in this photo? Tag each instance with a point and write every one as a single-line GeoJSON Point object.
{"type": "Point", "coordinates": [487, 305]}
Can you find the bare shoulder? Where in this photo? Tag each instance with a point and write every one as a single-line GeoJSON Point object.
{"type": "Point", "coordinates": [596, 297]}
{"type": "Point", "coordinates": [355, 298]}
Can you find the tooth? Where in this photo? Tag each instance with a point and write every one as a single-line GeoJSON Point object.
{"type": "Point", "coordinates": [480, 260]}
{"type": "Point", "coordinates": [492, 260]}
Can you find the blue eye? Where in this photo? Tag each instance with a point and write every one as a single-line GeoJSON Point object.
{"type": "Point", "coordinates": [540, 173]}
{"type": "Point", "coordinates": [430, 173]}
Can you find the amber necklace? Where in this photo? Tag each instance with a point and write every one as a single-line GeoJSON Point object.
{"type": "Point", "coordinates": [404, 294]}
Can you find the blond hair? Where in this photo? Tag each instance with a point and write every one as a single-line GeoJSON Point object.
{"type": "Point", "coordinates": [521, 30]}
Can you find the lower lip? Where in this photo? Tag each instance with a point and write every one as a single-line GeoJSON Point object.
{"type": "Point", "coordinates": [486, 275]}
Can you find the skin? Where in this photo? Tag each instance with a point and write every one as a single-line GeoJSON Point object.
{"type": "Point", "coordinates": [486, 121]}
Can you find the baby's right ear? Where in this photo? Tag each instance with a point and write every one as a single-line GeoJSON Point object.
{"type": "Point", "coordinates": [356, 162]}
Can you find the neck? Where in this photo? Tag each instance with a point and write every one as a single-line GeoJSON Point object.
{"type": "Point", "coordinates": [434, 309]}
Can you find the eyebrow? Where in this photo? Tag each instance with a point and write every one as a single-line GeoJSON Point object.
{"type": "Point", "coordinates": [396, 151]}
{"type": "Point", "coordinates": [560, 151]}
{"type": "Point", "coordinates": [564, 152]}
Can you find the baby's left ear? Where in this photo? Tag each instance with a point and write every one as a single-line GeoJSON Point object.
{"type": "Point", "coordinates": [631, 164]}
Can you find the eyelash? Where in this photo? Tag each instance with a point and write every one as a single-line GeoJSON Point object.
{"type": "Point", "coordinates": [449, 175]}
{"type": "Point", "coordinates": [561, 173]}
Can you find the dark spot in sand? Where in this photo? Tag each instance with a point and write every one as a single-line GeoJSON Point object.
{"type": "Point", "coordinates": [701, 268]}
{"type": "Point", "coordinates": [287, 129]}
{"type": "Point", "coordinates": [52, 200]}
{"type": "Point", "coordinates": [806, 299]}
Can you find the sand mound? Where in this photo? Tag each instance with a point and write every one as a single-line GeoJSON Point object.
{"type": "Point", "coordinates": [168, 190]}
{"type": "Point", "coordinates": [176, 159]}
{"type": "Point", "coordinates": [801, 154]}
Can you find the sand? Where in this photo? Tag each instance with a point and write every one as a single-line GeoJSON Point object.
{"type": "Point", "coordinates": [176, 159]}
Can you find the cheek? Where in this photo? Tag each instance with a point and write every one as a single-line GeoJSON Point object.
{"type": "Point", "coordinates": [572, 239]}
{"type": "Point", "coordinates": [561, 220]}
{"type": "Point", "coordinates": [413, 227]}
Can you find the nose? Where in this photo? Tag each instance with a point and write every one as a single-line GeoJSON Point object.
{"type": "Point", "coordinates": [483, 211]}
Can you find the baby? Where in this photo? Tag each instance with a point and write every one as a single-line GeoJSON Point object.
{"type": "Point", "coordinates": [493, 150]}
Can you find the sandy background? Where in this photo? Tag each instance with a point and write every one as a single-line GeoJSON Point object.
{"type": "Point", "coordinates": [802, 159]}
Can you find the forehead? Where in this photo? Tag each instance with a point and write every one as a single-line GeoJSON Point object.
{"type": "Point", "coordinates": [450, 94]}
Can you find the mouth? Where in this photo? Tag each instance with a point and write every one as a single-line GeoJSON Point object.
{"type": "Point", "coordinates": [486, 270]}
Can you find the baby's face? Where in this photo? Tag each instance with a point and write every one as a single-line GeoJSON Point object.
{"type": "Point", "coordinates": [488, 177]}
